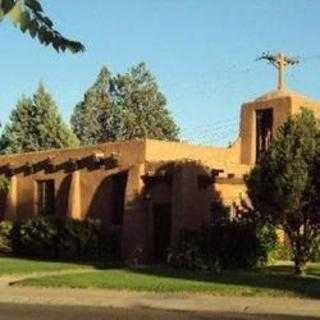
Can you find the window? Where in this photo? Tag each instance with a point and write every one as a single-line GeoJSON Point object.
{"type": "Point", "coordinates": [264, 124]}
{"type": "Point", "coordinates": [46, 197]}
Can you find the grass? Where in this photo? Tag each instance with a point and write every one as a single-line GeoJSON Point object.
{"type": "Point", "coordinates": [12, 266]}
{"type": "Point", "coordinates": [272, 281]}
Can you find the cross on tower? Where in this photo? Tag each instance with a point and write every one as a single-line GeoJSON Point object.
{"type": "Point", "coordinates": [281, 62]}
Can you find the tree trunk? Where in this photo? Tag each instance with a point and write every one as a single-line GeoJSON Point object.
{"type": "Point", "coordinates": [299, 258]}
{"type": "Point", "coordinates": [297, 267]}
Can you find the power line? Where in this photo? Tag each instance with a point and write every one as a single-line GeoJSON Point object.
{"type": "Point", "coordinates": [214, 126]}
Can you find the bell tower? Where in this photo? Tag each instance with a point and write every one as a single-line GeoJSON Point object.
{"type": "Point", "coordinates": [261, 118]}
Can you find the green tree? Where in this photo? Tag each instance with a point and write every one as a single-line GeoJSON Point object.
{"type": "Point", "coordinates": [144, 111]}
{"type": "Point", "coordinates": [124, 107]}
{"type": "Point", "coordinates": [29, 16]}
{"type": "Point", "coordinates": [284, 189]}
{"type": "Point", "coordinates": [95, 118]}
{"type": "Point", "coordinates": [35, 124]}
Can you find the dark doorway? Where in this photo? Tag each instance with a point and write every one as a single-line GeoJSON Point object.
{"type": "Point", "coordinates": [46, 197]}
{"type": "Point", "coordinates": [264, 124]}
{"type": "Point", "coordinates": [119, 185]}
{"type": "Point", "coordinates": [162, 230]}
{"type": "Point", "coordinates": [3, 202]}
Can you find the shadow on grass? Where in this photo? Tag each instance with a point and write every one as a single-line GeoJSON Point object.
{"type": "Point", "coordinates": [274, 278]}
{"type": "Point", "coordinates": [278, 277]}
{"type": "Point", "coordinates": [279, 269]}
{"type": "Point", "coordinates": [99, 265]}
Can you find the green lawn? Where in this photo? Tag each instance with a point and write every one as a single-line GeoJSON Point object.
{"type": "Point", "coordinates": [271, 281]}
{"type": "Point", "coordinates": [11, 266]}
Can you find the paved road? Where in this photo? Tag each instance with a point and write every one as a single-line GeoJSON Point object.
{"type": "Point", "coordinates": [39, 312]}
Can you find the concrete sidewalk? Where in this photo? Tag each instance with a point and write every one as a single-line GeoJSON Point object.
{"type": "Point", "coordinates": [47, 312]}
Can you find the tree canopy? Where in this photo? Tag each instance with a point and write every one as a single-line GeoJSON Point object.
{"type": "Point", "coordinates": [123, 107]}
{"type": "Point", "coordinates": [29, 16]}
{"type": "Point", "coordinates": [94, 118]}
{"type": "Point", "coordinates": [284, 189]}
{"type": "Point", "coordinates": [35, 124]}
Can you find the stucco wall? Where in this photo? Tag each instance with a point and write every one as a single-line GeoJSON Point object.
{"type": "Point", "coordinates": [227, 159]}
{"type": "Point", "coordinates": [231, 190]}
{"type": "Point", "coordinates": [299, 102]}
{"type": "Point", "coordinates": [85, 191]}
{"type": "Point", "coordinates": [91, 180]}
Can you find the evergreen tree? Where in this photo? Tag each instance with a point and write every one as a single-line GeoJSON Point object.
{"type": "Point", "coordinates": [284, 189]}
{"type": "Point", "coordinates": [35, 124]}
{"type": "Point", "coordinates": [123, 107]}
{"type": "Point", "coordinates": [95, 118]}
{"type": "Point", "coordinates": [144, 112]}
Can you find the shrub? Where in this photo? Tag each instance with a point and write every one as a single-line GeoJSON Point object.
{"type": "Point", "coordinates": [282, 252]}
{"type": "Point", "coordinates": [230, 245]}
{"type": "Point", "coordinates": [237, 245]}
{"type": "Point", "coordinates": [36, 237]}
{"type": "Point", "coordinates": [64, 239]}
{"type": "Point", "coordinates": [269, 241]}
{"type": "Point", "coordinates": [5, 241]}
{"type": "Point", "coordinates": [78, 239]}
{"type": "Point", "coordinates": [87, 240]}
{"type": "Point", "coordinates": [190, 252]}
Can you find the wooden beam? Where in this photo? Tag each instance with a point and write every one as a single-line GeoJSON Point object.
{"type": "Point", "coordinates": [74, 163]}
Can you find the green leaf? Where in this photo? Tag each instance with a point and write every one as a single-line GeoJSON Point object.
{"type": "Point", "coordinates": [29, 15]}
{"type": "Point", "coordinates": [34, 5]}
{"type": "Point", "coordinates": [6, 6]}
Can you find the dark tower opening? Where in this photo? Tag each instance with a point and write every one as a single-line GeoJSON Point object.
{"type": "Point", "coordinates": [264, 125]}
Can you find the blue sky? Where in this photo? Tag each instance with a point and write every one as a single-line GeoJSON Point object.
{"type": "Point", "coordinates": [202, 52]}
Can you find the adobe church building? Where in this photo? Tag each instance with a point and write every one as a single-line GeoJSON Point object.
{"type": "Point", "coordinates": [149, 189]}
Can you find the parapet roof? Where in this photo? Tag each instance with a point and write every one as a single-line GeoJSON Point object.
{"type": "Point", "coordinates": [283, 93]}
